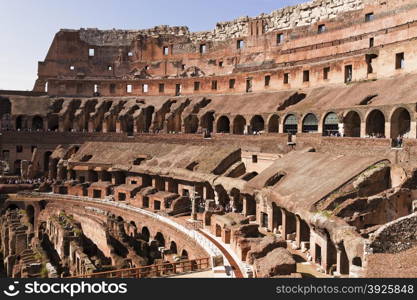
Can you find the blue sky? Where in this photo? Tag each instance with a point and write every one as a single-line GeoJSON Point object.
{"type": "Point", "coordinates": [27, 27]}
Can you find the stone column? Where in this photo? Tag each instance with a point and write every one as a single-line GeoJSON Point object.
{"type": "Point", "coordinates": [363, 129]}
{"type": "Point", "coordinates": [388, 130]}
{"type": "Point", "coordinates": [413, 129]}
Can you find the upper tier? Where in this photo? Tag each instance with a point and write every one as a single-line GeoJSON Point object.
{"type": "Point", "coordinates": [316, 43]}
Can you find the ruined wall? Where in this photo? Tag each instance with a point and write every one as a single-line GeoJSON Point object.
{"type": "Point", "coordinates": [397, 236]}
{"type": "Point", "coordinates": [285, 18]}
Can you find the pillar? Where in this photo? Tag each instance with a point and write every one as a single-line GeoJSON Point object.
{"type": "Point", "coordinates": [363, 129]}
{"type": "Point", "coordinates": [413, 129]}
{"type": "Point", "coordinates": [388, 130]}
{"type": "Point", "coordinates": [288, 224]}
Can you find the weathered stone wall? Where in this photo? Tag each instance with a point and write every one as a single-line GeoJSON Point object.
{"type": "Point", "coordinates": [289, 17]}
{"type": "Point", "coordinates": [397, 236]}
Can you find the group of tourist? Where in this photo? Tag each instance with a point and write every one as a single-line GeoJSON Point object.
{"type": "Point", "coordinates": [376, 136]}
{"type": "Point", "coordinates": [26, 181]}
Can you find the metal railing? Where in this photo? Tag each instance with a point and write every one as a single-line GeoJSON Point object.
{"type": "Point", "coordinates": [153, 271]}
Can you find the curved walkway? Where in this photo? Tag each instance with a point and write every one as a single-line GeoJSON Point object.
{"type": "Point", "coordinates": [232, 262]}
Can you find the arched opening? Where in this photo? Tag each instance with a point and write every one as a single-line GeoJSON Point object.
{"type": "Point", "coordinates": [46, 157]}
{"type": "Point", "coordinates": [191, 124]}
{"type": "Point", "coordinates": [174, 123]}
{"type": "Point", "coordinates": [273, 180]}
{"type": "Point", "coordinates": [239, 124]}
{"type": "Point", "coordinates": [207, 121]}
{"type": "Point", "coordinates": [19, 123]}
{"type": "Point", "coordinates": [148, 117]}
{"type": "Point", "coordinates": [173, 248]}
{"type": "Point", "coordinates": [352, 124]}
{"type": "Point", "coordinates": [331, 125]}
{"type": "Point", "coordinates": [273, 124]}
{"type": "Point", "coordinates": [160, 238]}
{"type": "Point", "coordinates": [30, 211]}
{"type": "Point", "coordinates": [128, 125]}
{"type": "Point", "coordinates": [133, 229]}
{"type": "Point", "coordinates": [257, 124]}
{"type": "Point", "coordinates": [53, 123]}
{"type": "Point", "coordinates": [290, 124]}
{"type": "Point", "coordinates": [400, 123]}
{"type": "Point", "coordinates": [310, 124]}
{"type": "Point", "coordinates": [223, 125]}
{"type": "Point", "coordinates": [184, 254]}
{"type": "Point", "coordinates": [37, 123]}
{"type": "Point", "coordinates": [357, 261]}
{"type": "Point", "coordinates": [375, 124]}
{"type": "Point", "coordinates": [145, 234]}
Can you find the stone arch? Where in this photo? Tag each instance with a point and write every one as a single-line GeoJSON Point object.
{"type": "Point", "coordinates": [357, 261]}
{"type": "Point", "coordinates": [223, 125]}
{"type": "Point", "coordinates": [331, 124]}
{"type": "Point", "coordinates": [160, 238]}
{"type": "Point", "coordinates": [145, 234]}
{"type": "Point", "coordinates": [400, 122]}
{"type": "Point", "coordinates": [352, 124]}
{"type": "Point", "coordinates": [173, 247]}
{"type": "Point", "coordinates": [273, 124]}
{"type": "Point", "coordinates": [257, 123]}
{"type": "Point", "coordinates": [239, 124]}
{"type": "Point", "coordinates": [222, 195]}
{"type": "Point", "coordinates": [20, 123]}
{"type": "Point", "coordinates": [127, 124]}
{"type": "Point", "coordinates": [110, 124]}
{"type": "Point", "coordinates": [53, 123]}
{"type": "Point", "coordinates": [184, 254]}
{"type": "Point", "coordinates": [174, 123]}
{"type": "Point", "coordinates": [37, 123]}
{"type": "Point", "coordinates": [144, 121]}
{"type": "Point", "coordinates": [191, 124]}
{"type": "Point", "coordinates": [133, 229]}
{"type": "Point", "coordinates": [375, 123]}
{"type": "Point", "coordinates": [237, 200]}
{"type": "Point", "coordinates": [310, 123]}
{"type": "Point", "coordinates": [291, 124]}
{"type": "Point", "coordinates": [207, 121]}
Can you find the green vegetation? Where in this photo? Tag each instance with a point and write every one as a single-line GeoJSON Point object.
{"type": "Point", "coordinates": [326, 213]}
{"type": "Point", "coordinates": [44, 271]}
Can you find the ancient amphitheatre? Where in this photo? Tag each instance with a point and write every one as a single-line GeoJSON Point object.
{"type": "Point", "coordinates": [281, 145]}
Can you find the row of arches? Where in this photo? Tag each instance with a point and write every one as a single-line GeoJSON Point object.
{"type": "Point", "coordinates": [239, 124]}
{"type": "Point", "coordinates": [157, 240]}
{"type": "Point", "coordinates": [332, 124]}
{"type": "Point", "coordinates": [35, 124]}
{"type": "Point", "coordinates": [348, 126]}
